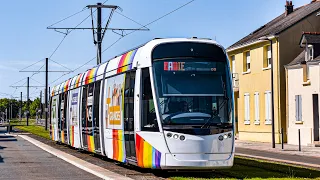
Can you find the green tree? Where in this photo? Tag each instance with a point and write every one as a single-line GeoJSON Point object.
{"type": "Point", "coordinates": [34, 106]}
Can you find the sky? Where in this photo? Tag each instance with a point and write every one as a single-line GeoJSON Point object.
{"type": "Point", "coordinates": [25, 39]}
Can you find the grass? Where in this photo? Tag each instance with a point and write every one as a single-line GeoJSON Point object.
{"type": "Point", "coordinates": [245, 168]}
{"type": "Point", "coordinates": [32, 128]}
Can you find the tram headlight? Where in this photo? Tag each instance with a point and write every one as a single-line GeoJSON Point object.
{"type": "Point", "coordinates": [169, 135]}
{"type": "Point", "coordinates": [182, 137]}
{"type": "Point", "coordinates": [229, 135]}
{"type": "Point", "coordinates": [225, 136]}
{"type": "Point", "coordinates": [220, 138]}
{"type": "Point", "coordinates": [176, 136]}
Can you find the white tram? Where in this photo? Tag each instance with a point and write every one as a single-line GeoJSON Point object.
{"type": "Point", "coordinates": [167, 104]}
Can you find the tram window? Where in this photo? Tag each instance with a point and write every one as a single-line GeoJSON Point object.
{"type": "Point", "coordinates": [84, 103]}
{"type": "Point", "coordinates": [149, 120]}
{"type": "Point", "coordinates": [59, 111]}
{"type": "Point", "coordinates": [128, 101]}
{"type": "Point", "coordinates": [89, 105]}
{"type": "Point", "coordinates": [65, 110]}
{"type": "Point", "coordinates": [96, 103]}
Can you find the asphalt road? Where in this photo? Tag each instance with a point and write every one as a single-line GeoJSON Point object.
{"type": "Point", "coordinates": [19, 159]}
{"type": "Point", "coordinates": [282, 156]}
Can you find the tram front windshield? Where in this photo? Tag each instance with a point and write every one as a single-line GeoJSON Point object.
{"type": "Point", "coordinates": [193, 93]}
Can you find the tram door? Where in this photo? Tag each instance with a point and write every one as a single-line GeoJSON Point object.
{"type": "Point", "coordinates": [129, 116]}
{"type": "Point", "coordinates": [90, 117]}
{"type": "Point", "coordinates": [64, 130]}
{"type": "Point", "coordinates": [96, 117]}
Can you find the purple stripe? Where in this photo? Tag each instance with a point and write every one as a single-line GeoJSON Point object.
{"type": "Point", "coordinates": [131, 58]}
{"type": "Point", "coordinates": [158, 157]}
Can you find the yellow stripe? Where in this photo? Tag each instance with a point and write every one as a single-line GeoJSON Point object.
{"type": "Point", "coordinates": [147, 155]}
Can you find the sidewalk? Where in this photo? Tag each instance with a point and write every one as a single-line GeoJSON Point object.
{"type": "Point", "coordinates": [308, 156]}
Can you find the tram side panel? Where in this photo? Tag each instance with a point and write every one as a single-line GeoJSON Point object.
{"type": "Point", "coordinates": [74, 121]}
{"type": "Point", "coordinates": [54, 119]}
{"type": "Point", "coordinates": [114, 135]}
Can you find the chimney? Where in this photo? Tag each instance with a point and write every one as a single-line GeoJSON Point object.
{"type": "Point", "coordinates": [289, 7]}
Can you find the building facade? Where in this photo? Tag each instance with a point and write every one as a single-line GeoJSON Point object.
{"type": "Point", "coordinates": [251, 67]}
{"type": "Point", "coordinates": [303, 88]}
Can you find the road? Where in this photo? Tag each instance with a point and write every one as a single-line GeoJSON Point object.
{"type": "Point", "coordinates": [19, 159]}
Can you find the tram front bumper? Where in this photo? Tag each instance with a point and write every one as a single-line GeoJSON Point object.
{"type": "Point", "coordinates": [198, 161]}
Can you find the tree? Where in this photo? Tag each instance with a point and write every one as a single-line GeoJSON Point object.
{"type": "Point", "coordinates": [34, 106]}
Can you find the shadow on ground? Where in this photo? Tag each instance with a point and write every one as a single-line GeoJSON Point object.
{"type": "Point", "coordinates": [247, 168]}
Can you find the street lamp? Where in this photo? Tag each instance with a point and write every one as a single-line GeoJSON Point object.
{"type": "Point", "coordinates": [272, 97]}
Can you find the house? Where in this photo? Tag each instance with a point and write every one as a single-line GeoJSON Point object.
{"type": "Point", "coordinates": [251, 67]}
{"type": "Point", "coordinates": [303, 88]}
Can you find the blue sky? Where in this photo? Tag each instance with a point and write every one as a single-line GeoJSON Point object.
{"type": "Point", "coordinates": [24, 38]}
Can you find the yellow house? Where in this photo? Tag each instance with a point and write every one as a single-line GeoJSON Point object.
{"type": "Point", "coordinates": [250, 60]}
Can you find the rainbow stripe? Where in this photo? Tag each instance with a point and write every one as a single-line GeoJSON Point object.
{"type": "Point", "coordinates": [66, 85]}
{"type": "Point", "coordinates": [53, 90]}
{"type": "Point", "coordinates": [147, 156]}
{"type": "Point", "coordinates": [125, 63]}
{"type": "Point", "coordinates": [62, 136]}
{"type": "Point", "coordinates": [52, 132]}
{"type": "Point", "coordinates": [118, 145]}
{"type": "Point", "coordinates": [78, 81]}
{"type": "Point", "coordinates": [91, 75]}
{"type": "Point", "coordinates": [72, 136]}
{"type": "Point", "coordinates": [90, 142]}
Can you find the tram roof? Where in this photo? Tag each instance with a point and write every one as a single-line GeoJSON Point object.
{"type": "Point", "coordinates": [121, 63]}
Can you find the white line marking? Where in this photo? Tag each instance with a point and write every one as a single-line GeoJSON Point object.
{"type": "Point", "coordinates": [84, 165]}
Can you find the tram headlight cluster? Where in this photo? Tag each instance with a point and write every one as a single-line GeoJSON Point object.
{"type": "Point", "coordinates": [176, 136]}
{"type": "Point", "coordinates": [225, 136]}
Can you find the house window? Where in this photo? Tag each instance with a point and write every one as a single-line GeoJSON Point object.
{"type": "Point", "coordinates": [267, 97]}
{"type": "Point", "coordinates": [298, 100]}
{"type": "Point", "coordinates": [246, 108]}
{"type": "Point", "coordinates": [309, 53]}
{"type": "Point", "coordinates": [267, 57]}
{"type": "Point", "coordinates": [233, 64]}
{"type": "Point", "coordinates": [246, 63]}
{"type": "Point", "coordinates": [256, 108]}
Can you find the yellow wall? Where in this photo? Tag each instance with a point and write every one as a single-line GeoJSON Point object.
{"type": "Point", "coordinates": [285, 49]}
{"type": "Point", "coordinates": [258, 80]}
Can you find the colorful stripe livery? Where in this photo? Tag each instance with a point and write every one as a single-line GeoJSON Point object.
{"type": "Point", "coordinates": [147, 156]}
{"type": "Point", "coordinates": [66, 86]}
{"type": "Point", "coordinates": [91, 76]}
{"type": "Point", "coordinates": [62, 136]}
{"type": "Point", "coordinates": [72, 136]}
{"type": "Point", "coordinates": [52, 132]}
{"type": "Point", "coordinates": [90, 142]}
{"type": "Point", "coordinates": [125, 63]}
{"type": "Point", "coordinates": [78, 81]}
{"type": "Point", "coordinates": [118, 145]}
{"type": "Point", "coordinates": [52, 94]}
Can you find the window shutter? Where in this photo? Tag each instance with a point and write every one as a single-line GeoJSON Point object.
{"type": "Point", "coordinates": [256, 101]}
{"type": "Point", "coordinates": [300, 108]}
{"type": "Point", "coordinates": [248, 57]}
{"type": "Point", "coordinates": [269, 52]}
{"type": "Point", "coordinates": [297, 107]}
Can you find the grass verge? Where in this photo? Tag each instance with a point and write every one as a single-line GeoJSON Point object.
{"type": "Point", "coordinates": [246, 168]}
{"type": "Point", "coordinates": [32, 128]}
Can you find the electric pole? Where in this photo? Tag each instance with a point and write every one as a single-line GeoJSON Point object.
{"type": "Point", "coordinates": [28, 101]}
{"type": "Point", "coordinates": [20, 106]}
{"type": "Point", "coordinates": [99, 14]}
{"type": "Point", "coordinates": [46, 96]}
{"type": "Point", "coordinates": [99, 32]}
{"type": "Point", "coordinates": [40, 105]}
{"type": "Point", "coordinates": [11, 109]}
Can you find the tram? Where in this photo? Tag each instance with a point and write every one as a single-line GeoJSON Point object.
{"type": "Point", "coordinates": [167, 104]}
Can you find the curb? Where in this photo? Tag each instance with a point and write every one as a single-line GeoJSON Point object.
{"type": "Point", "coordinates": [279, 160]}
{"type": "Point", "coordinates": [84, 165]}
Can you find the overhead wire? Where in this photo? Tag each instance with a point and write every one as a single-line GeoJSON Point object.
{"type": "Point", "coordinates": [142, 26]}
{"type": "Point", "coordinates": [60, 64]}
